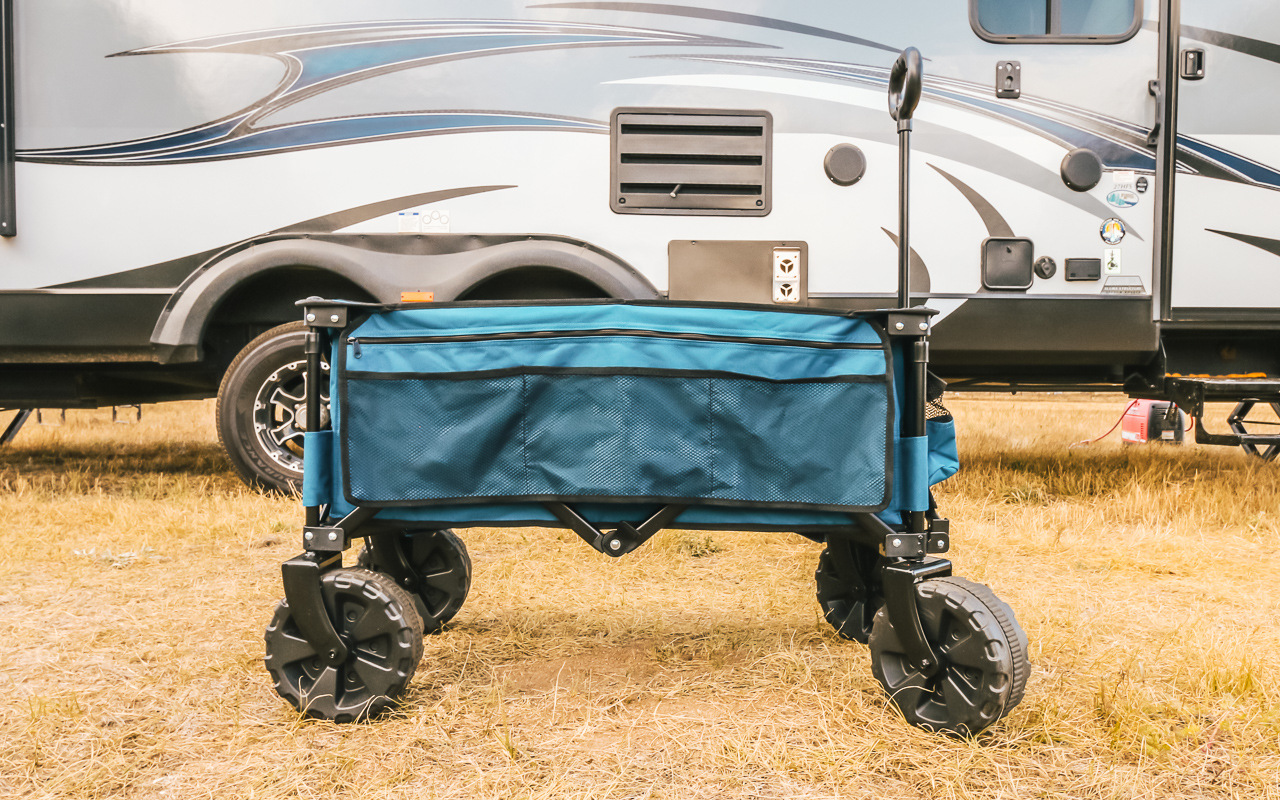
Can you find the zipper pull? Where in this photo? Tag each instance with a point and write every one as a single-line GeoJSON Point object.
{"type": "Point", "coordinates": [355, 345]}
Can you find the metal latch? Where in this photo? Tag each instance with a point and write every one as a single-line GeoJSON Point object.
{"type": "Point", "coordinates": [1008, 79]}
{"type": "Point", "coordinates": [1191, 64]}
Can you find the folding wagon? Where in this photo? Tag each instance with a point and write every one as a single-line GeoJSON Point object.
{"type": "Point", "coordinates": [616, 419]}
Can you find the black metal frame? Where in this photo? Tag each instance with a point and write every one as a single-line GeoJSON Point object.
{"type": "Point", "coordinates": [906, 547]}
{"type": "Point", "coordinates": [15, 425]}
{"type": "Point", "coordinates": [8, 127]}
{"type": "Point", "coordinates": [1164, 135]}
{"type": "Point", "coordinates": [1191, 394]}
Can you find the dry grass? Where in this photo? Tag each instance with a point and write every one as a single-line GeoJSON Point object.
{"type": "Point", "coordinates": [139, 575]}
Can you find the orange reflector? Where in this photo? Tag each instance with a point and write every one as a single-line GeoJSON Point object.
{"type": "Point", "coordinates": [417, 297]}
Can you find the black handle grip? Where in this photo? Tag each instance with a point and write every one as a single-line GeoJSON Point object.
{"type": "Point", "coordinates": [904, 84]}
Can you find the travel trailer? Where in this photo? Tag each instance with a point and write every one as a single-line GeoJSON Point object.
{"type": "Point", "coordinates": [1096, 186]}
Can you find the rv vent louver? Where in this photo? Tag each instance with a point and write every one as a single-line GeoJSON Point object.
{"type": "Point", "coordinates": [681, 161]}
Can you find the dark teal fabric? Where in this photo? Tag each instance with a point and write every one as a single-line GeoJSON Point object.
{"type": "Point", "coordinates": [909, 476]}
{"type": "Point", "coordinates": [639, 412]}
{"type": "Point", "coordinates": [317, 474]}
{"type": "Point", "coordinates": [944, 460]}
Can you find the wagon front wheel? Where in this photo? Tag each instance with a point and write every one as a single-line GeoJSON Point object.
{"type": "Point", "coordinates": [983, 654]}
{"type": "Point", "coordinates": [379, 624]}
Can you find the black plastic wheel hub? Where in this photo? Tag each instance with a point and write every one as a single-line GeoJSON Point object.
{"type": "Point", "coordinates": [383, 633]}
{"type": "Point", "coordinates": [984, 659]}
{"type": "Point", "coordinates": [849, 601]}
{"type": "Point", "coordinates": [433, 566]}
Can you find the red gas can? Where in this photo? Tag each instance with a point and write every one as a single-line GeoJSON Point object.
{"type": "Point", "coordinates": [1151, 421]}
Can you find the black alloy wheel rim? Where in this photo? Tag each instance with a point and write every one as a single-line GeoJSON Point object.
{"type": "Point", "coordinates": [279, 413]}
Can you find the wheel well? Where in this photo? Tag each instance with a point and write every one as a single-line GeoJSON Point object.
{"type": "Point", "coordinates": [264, 301]}
{"type": "Point", "coordinates": [534, 283]}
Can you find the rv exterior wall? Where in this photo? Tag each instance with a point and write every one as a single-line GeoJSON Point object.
{"type": "Point", "coordinates": [161, 146]}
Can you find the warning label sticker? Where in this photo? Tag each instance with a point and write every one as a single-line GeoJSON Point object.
{"type": "Point", "coordinates": [1124, 284]}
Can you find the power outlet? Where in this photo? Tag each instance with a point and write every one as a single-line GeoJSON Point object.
{"type": "Point", "coordinates": [786, 291]}
{"type": "Point", "coordinates": [786, 275]}
{"type": "Point", "coordinates": [786, 264]}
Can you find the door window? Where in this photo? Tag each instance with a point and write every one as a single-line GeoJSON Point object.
{"type": "Point", "coordinates": [1055, 21]}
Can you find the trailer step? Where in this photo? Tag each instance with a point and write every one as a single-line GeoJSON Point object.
{"type": "Point", "coordinates": [1191, 394]}
{"type": "Point", "coordinates": [15, 425]}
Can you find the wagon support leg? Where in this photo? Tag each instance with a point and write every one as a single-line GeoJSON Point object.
{"type": "Point", "coordinates": [301, 576]}
{"type": "Point", "coordinates": [622, 541]}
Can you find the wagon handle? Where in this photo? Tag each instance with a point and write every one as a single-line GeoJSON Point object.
{"type": "Point", "coordinates": [904, 94]}
{"type": "Point", "coordinates": [904, 87]}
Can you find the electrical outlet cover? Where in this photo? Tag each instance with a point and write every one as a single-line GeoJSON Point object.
{"type": "Point", "coordinates": [786, 264]}
{"type": "Point", "coordinates": [786, 291]}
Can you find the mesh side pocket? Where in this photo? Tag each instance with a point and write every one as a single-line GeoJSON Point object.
{"type": "Point", "coordinates": [934, 409]}
{"type": "Point", "coordinates": [619, 435]}
{"type": "Point", "coordinates": [820, 443]}
{"type": "Point", "coordinates": [418, 440]}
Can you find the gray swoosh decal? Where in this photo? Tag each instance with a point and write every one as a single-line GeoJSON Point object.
{"type": "Point", "coordinates": [1267, 51]}
{"type": "Point", "coordinates": [996, 225]}
{"type": "Point", "coordinates": [352, 216]}
{"type": "Point", "coordinates": [1272, 246]}
{"type": "Point", "coordinates": [324, 57]}
{"type": "Point", "coordinates": [725, 16]}
{"type": "Point", "coordinates": [919, 282]}
{"type": "Point", "coordinates": [179, 271]}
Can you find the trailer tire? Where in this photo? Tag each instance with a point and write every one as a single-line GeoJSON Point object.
{"type": "Point", "coordinates": [260, 398]}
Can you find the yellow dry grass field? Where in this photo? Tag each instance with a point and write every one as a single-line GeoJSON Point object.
{"type": "Point", "coordinates": [138, 575]}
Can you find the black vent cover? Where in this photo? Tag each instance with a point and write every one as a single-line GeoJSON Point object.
{"type": "Point", "coordinates": [690, 161]}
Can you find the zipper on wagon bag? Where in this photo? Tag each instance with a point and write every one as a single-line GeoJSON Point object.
{"type": "Point", "coordinates": [685, 336]}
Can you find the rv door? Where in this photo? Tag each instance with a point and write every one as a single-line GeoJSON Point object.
{"type": "Point", "coordinates": [1225, 264]}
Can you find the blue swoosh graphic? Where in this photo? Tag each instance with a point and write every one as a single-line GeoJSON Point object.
{"type": "Point", "coordinates": [322, 57]}
{"type": "Point", "coordinates": [1124, 149]}
{"type": "Point", "coordinates": [355, 129]}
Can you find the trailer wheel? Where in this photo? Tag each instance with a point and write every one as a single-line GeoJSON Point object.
{"type": "Point", "coordinates": [262, 409]}
{"type": "Point", "coordinates": [984, 659]}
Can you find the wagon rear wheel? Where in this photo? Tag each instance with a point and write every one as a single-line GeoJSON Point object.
{"type": "Point", "coordinates": [849, 593]}
{"type": "Point", "coordinates": [432, 566]}
{"type": "Point", "coordinates": [984, 659]}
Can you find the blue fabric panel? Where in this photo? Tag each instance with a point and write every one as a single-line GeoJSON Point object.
{"type": "Point", "coordinates": [944, 460]}
{"type": "Point", "coordinates": [317, 473]}
{"type": "Point", "coordinates": [911, 474]}
{"type": "Point", "coordinates": [463, 516]}
{"type": "Point", "coordinates": [474, 320]}
{"type": "Point", "coordinates": [772, 362]}
{"type": "Point", "coordinates": [423, 440]}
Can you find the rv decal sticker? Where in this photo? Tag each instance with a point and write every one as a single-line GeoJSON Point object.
{"type": "Point", "coordinates": [319, 58]}
{"type": "Point", "coordinates": [1112, 231]}
{"type": "Point", "coordinates": [1122, 198]}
